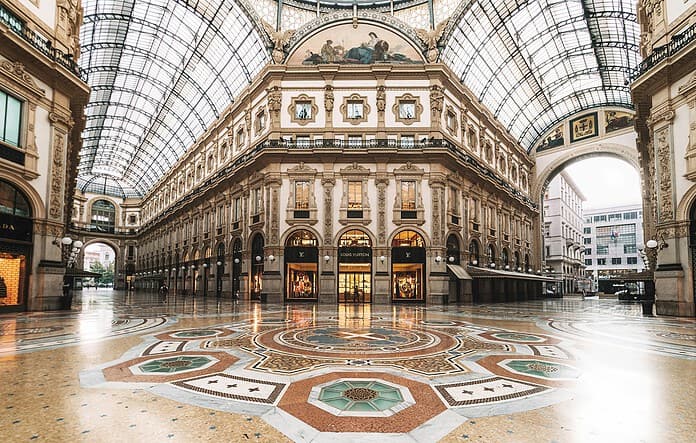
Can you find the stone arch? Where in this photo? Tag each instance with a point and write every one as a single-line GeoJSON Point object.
{"type": "Point", "coordinates": [424, 236]}
{"type": "Point", "coordinates": [573, 154]}
{"type": "Point", "coordinates": [684, 206]}
{"type": "Point", "coordinates": [296, 228]}
{"type": "Point", "coordinates": [339, 234]}
{"type": "Point", "coordinates": [38, 209]}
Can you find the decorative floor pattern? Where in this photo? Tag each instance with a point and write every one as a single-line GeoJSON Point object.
{"type": "Point", "coordinates": [198, 370]}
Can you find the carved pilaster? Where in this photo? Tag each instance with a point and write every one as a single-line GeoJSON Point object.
{"type": "Point", "coordinates": [57, 175]}
{"type": "Point", "coordinates": [328, 183]}
{"type": "Point", "coordinates": [381, 183]}
{"type": "Point", "coordinates": [664, 177]}
{"type": "Point", "coordinates": [690, 155]}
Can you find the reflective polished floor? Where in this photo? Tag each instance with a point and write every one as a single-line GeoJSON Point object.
{"type": "Point", "coordinates": [125, 367]}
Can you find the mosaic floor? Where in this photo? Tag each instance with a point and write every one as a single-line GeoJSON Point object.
{"type": "Point", "coordinates": [122, 367]}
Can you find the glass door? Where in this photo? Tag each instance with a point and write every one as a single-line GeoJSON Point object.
{"type": "Point", "coordinates": [354, 283]}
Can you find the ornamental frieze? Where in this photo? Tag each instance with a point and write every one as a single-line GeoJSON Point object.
{"type": "Point", "coordinates": [664, 159]}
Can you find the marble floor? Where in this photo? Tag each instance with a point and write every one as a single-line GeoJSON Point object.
{"type": "Point", "coordinates": [125, 367]}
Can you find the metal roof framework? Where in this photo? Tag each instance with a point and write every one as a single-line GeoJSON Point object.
{"type": "Point", "coordinates": [534, 63]}
{"type": "Point", "coordinates": [161, 71]}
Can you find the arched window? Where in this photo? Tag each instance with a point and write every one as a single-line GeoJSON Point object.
{"type": "Point", "coordinates": [408, 238]}
{"type": "Point", "coordinates": [354, 238]}
{"type": "Point", "coordinates": [452, 249]}
{"type": "Point", "coordinates": [302, 238]}
{"type": "Point", "coordinates": [13, 201]}
{"type": "Point", "coordinates": [474, 254]}
{"type": "Point", "coordinates": [103, 216]}
{"type": "Point", "coordinates": [491, 254]}
{"type": "Point", "coordinates": [505, 257]}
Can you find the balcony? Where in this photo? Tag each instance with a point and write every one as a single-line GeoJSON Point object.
{"type": "Point", "coordinates": [84, 227]}
{"type": "Point", "coordinates": [44, 46]}
{"type": "Point", "coordinates": [660, 53]}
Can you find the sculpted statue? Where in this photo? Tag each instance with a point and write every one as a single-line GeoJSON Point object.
{"type": "Point", "coordinates": [279, 39]}
{"type": "Point", "coordinates": [430, 39]}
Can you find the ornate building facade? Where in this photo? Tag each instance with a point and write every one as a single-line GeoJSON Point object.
{"type": "Point", "coordinates": [42, 97]}
{"type": "Point", "coordinates": [342, 183]}
{"type": "Point", "coordinates": [664, 93]}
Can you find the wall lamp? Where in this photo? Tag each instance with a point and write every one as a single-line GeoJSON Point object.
{"type": "Point", "coordinates": [219, 263]}
{"type": "Point", "coordinates": [450, 259]}
{"type": "Point", "coordinates": [327, 258]}
{"type": "Point", "coordinates": [236, 260]}
{"type": "Point", "coordinates": [662, 244]}
{"type": "Point", "coordinates": [474, 262]}
{"type": "Point", "coordinates": [258, 258]}
{"type": "Point", "coordinates": [438, 259]}
{"type": "Point", "coordinates": [382, 258]}
{"type": "Point", "coordinates": [271, 258]}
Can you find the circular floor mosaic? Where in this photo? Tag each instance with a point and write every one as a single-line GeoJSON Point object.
{"type": "Point", "coordinates": [381, 341]}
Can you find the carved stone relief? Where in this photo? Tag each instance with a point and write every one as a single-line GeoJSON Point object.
{"type": "Point", "coordinates": [57, 175]}
{"type": "Point", "coordinates": [328, 183]}
{"type": "Point", "coordinates": [664, 160]}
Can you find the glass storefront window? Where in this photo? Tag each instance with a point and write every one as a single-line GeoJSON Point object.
{"type": "Point", "coordinates": [12, 278]}
{"type": "Point", "coordinates": [407, 281]}
{"type": "Point", "coordinates": [301, 280]}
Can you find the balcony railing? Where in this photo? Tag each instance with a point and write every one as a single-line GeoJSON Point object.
{"type": "Point", "coordinates": [662, 52]}
{"type": "Point", "coordinates": [40, 43]}
{"type": "Point", "coordinates": [356, 144]}
{"type": "Point", "coordinates": [82, 227]}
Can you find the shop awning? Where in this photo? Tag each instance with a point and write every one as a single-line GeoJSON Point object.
{"type": "Point", "coordinates": [477, 272]}
{"type": "Point", "coordinates": [80, 273]}
{"type": "Point", "coordinates": [459, 272]}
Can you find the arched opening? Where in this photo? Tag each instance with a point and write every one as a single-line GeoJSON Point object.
{"type": "Point", "coordinates": [408, 267]}
{"type": "Point", "coordinates": [236, 266]}
{"type": "Point", "coordinates": [301, 257]}
{"type": "Point", "coordinates": [257, 258]}
{"type": "Point", "coordinates": [505, 258]}
{"type": "Point", "coordinates": [103, 216]}
{"type": "Point", "coordinates": [354, 267]}
{"type": "Point", "coordinates": [692, 248]}
{"type": "Point", "coordinates": [474, 253]}
{"type": "Point", "coordinates": [459, 289]}
{"type": "Point", "coordinates": [491, 255]}
{"type": "Point", "coordinates": [592, 229]}
{"type": "Point", "coordinates": [98, 258]}
{"type": "Point", "coordinates": [219, 268]}
{"type": "Point", "coordinates": [16, 237]}
{"type": "Point", "coordinates": [206, 270]}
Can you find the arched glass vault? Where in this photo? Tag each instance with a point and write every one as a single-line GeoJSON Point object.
{"type": "Point", "coordinates": [535, 62]}
{"type": "Point", "coordinates": [161, 71]}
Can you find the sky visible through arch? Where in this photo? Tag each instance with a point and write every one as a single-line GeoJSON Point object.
{"type": "Point", "coordinates": [606, 182]}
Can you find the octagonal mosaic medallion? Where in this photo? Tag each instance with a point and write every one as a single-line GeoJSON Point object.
{"type": "Point", "coordinates": [169, 365]}
{"type": "Point", "coordinates": [361, 397]}
{"type": "Point", "coordinates": [540, 369]}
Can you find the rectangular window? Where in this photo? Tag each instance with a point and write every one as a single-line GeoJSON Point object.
{"type": "Point", "coordinates": [408, 195]}
{"type": "Point", "coordinates": [240, 139]}
{"type": "Point", "coordinates": [355, 109]}
{"type": "Point", "coordinates": [631, 260]}
{"type": "Point", "coordinates": [301, 194]}
{"type": "Point", "coordinates": [256, 201]}
{"type": "Point", "coordinates": [601, 261]}
{"type": "Point", "coordinates": [588, 262]}
{"type": "Point", "coordinates": [587, 241]}
{"type": "Point", "coordinates": [237, 211]}
{"type": "Point", "coordinates": [602, 250]}
{"type": "Point", "coordinates": [600, 218]}
{"type": "Point", "coordinates": [260, 121]}
{"type": "Point", "coordinates": [10, 118]}
{"type": "Point", "coordinates": [614, 217]}
{"type": "Point", "coordinates": [588, 251]}
{"type": "Point", "coordinates": [630, 215]}
{"type": "Point", "coordinates": [407, 110]}
{"type": "Point", "coordinates": [355, 194]}
{"type": "Point", "coordinates": [616, 261]}
{"type": "Point", "coordinates": [303, 110]}
{"type": "Point", "coordinates": [587, 231]}
{"type": "Point", "coordinates": [548, 251]}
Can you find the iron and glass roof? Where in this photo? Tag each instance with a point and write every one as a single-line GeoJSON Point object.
{"type": "Point", "coordinates": [535, 62]}
{"type": "Point", "coordinates": [161, 71]}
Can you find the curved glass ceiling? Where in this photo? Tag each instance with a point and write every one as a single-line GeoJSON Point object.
{"type": "Point", "coordinates": [534, 63]}
{"type": "Point", "coordinates": [161, 71]}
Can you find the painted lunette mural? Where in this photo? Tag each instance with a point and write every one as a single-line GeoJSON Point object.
{"type": "Point", "coordinates": [366, 44]}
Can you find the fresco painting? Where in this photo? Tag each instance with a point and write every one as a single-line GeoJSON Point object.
{"type": "Point", "coordinates": [364, 45]}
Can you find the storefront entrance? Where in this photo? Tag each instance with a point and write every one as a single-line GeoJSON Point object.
{"type": "Point", "coordinates": [408, 267]}
{"type": "Point", "coordinates": [16, 229]}
{"type": "Point", "coordinates": [301, 266]}
{"type": "Point", "coordinates": [354, 268]}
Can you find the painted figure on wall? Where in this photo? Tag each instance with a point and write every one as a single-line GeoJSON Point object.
{"type": "Point", "coordinates": [343, 45]}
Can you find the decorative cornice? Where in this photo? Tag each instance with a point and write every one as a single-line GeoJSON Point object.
{"type": "Point", "coordinates": [56, 117]}
{"type": "Point", "coordinates": [690, 85]}
{"type": "Point", "coordinates": [17, 71]}
{"type": "Point", "coordinates": [666, 115]}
